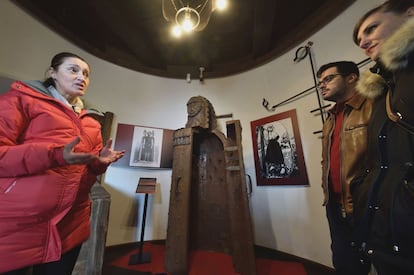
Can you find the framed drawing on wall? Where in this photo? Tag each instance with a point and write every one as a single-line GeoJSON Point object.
{"type": "Point", "coordinates": [144, 146]}
{"type": "Point", "coordinates": [277, 149]}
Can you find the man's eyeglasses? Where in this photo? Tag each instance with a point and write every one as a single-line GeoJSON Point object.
{"type": "Point", "coordinates": [327, 79]}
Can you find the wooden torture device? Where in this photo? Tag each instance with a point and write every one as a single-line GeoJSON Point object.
{"type": "Point", "coordinates": [209, 208]}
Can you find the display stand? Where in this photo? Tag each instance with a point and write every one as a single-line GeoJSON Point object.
{"type": "Point", "coordinates": [145, 186]}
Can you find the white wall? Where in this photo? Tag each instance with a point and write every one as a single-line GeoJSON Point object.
{"type": "Point", "coordinates": [289, 219]}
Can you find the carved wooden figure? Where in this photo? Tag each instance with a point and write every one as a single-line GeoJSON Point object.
{"type": "Point", "coordinates": [209, 208]}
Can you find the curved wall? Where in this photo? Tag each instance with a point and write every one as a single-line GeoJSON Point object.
{"type": "Point", "coordinates": [286, 218]}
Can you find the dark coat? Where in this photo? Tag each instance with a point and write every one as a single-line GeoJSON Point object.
{"type": "Point", "coordinates": [384, 196]}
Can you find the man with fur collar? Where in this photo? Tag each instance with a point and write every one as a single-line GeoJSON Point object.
{"type": "Point", "coordinates": [384, 196]}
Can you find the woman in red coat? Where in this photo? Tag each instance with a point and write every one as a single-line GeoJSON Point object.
{"type": "Point", "coordinates": [50, 155]}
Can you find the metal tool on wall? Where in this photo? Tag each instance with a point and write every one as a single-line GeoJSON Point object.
{"type": "Point", "coordinates": [300, 54]}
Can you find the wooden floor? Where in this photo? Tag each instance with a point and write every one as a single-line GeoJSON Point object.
{"type": "Point", "coordinates": [114, 252]}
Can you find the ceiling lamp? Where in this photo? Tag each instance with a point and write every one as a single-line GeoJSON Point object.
{"type": "Point", "coordinates": [190, 15]}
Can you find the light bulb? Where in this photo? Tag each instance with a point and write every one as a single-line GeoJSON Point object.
{"type": "Point", "coordinates": [221, 4]}
{"type": "Point", "coordinates": [187, 25]}
{"type": "Point", "coordinates": [176, 31]}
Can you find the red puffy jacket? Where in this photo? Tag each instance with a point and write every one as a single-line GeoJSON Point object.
{"type": "Point", "coordinates": [44, 202]}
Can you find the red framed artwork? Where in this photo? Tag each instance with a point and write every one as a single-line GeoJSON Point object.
{"type": "Point", "coordinates": [277, 149]}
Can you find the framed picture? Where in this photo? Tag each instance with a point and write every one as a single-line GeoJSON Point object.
{"type": "Point", "coordinates": [278, 151]}
{"type": "Point", "coordinates": [144, 146]}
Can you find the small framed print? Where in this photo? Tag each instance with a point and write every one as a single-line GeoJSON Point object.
{"type": "Point", "coordinates": [146, 147]}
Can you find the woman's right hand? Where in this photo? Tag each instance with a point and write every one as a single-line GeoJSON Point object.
{"type": "Point", "coordinates": [72, 157]}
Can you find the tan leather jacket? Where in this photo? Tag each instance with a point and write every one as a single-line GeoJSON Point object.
{"type": "Point", "coordinates": [353, 149]}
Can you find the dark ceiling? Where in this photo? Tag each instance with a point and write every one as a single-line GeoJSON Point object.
{"type": "Point", "coordinates": [134, 34]}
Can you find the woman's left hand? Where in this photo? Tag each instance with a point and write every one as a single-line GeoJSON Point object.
{"type": "Point", "coordinates": [108, 156]}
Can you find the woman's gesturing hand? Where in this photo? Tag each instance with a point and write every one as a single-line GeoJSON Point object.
{"type": "Point", "coordinates": [106, 156]}
{"type": "Point", "coordinates": [72, 157]}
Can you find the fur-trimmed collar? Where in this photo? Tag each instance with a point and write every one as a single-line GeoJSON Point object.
{"type": "Point", "coordinates": [395, 50]}
{"type": "Point", "coordinates": [371, 85]}
{"type": "Point", "coordinates": [393, 55]}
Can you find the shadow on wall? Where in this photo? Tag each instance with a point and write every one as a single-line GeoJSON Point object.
{"type": "Point", "coordinates": [263, 220]}
{"type": "Point", "coordinates": [5, 83]}
{"type": "Point", "coordinates": [126, 215]}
